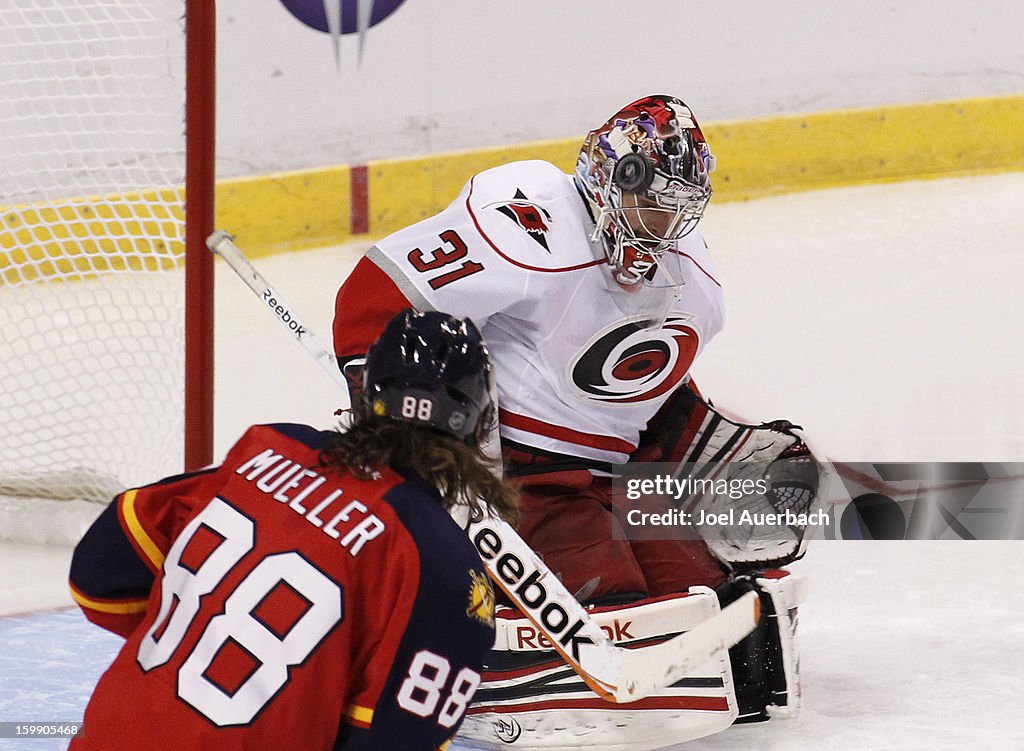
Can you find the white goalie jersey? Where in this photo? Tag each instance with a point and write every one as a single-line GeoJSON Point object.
{"type": "Point", "coordinates": [582, 364]}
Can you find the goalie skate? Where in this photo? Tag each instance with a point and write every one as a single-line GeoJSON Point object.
{"type": "Point", "coordinates": [766, 665]}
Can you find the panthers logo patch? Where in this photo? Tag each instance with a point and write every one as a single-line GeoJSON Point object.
{"type": "Point", "coordinates": [481, 599]}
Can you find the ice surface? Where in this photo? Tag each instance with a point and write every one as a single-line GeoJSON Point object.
{"type": "Point", "coordinates": [882, 318]}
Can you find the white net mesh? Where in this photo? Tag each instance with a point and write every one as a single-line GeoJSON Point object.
{"type": "Point", "coordinates": [91, 245]}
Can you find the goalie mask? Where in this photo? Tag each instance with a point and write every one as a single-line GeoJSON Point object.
{"type": "Point", "coordinates": [645, 177]}
{"type": "Point", "coordinates": [430, 368]}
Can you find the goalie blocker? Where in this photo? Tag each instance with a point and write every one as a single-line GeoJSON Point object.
{"type": "Point", "coordinates": [530, 699]}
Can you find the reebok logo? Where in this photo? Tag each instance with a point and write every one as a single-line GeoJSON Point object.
{"type": "Point", "coordinates": [528, 637]}
{"type": "Point", "coordinates": [283, 313]}
{"type": "Point", "coordinates": [517, 576]}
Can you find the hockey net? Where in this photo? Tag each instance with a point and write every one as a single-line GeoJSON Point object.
{"type": "Point", "coordinates": [92, 254]}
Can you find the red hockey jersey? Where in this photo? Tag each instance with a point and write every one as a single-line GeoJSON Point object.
{"type": "Point", "coordinates": [272, 603]}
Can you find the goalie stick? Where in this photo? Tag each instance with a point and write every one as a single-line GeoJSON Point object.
{"type": "Point", "coordinates": [614, 673]}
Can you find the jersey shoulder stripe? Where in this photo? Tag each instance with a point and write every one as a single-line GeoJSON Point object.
{"type": "Point", "coordinates": [136, 531]}
{"type": "Point", "coordinates": [370, 297]}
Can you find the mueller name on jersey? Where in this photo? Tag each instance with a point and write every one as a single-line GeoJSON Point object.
{"type": "Point", "coordinates": [303, 490]}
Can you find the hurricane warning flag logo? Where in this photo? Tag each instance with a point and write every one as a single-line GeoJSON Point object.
{"type": "Point", "coordinates": [627, 363]}
{"type": "Point", "coordinates": [531, 217]}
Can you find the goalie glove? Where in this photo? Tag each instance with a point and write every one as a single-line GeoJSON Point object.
{"type": "Point", "coordinates": [777, 457]}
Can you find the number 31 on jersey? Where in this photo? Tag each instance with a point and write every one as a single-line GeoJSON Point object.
{"type": "Point", "coordinates": [454, 249]}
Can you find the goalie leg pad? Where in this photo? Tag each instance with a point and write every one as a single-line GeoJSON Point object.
{"type": "Point", "coordinates": [766, 665]}
{"type": "Point", "coordinates": [530, 699]}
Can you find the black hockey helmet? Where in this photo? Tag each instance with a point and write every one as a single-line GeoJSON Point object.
{"type": "Point", "coordinates": [430, 368]}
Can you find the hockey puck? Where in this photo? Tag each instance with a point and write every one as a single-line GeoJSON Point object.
{"type": "Point", "coordinates": [873, 516]}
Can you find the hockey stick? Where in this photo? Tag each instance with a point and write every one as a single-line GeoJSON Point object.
{"type": "Point", "coordinates": [615, 673]}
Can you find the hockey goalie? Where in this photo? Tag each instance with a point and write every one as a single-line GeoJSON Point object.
{"type": "Point", "coordinates": [530, 698]}
{"type": "Point", "coordinates": [595, 293]}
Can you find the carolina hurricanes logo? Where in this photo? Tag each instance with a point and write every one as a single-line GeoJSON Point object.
{"type": "Point", "coordinates": [628, 363]}
{"type": "Point", "coordinates": [529, 216]}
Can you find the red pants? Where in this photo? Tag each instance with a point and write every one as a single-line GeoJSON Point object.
{"type": "Point", "coordinates": [569, 518]}
{"type": "Point", "coordinates": [571, 526]}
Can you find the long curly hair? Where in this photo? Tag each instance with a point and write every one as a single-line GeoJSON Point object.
{"type": "Point", "coordinates": [460, 472]}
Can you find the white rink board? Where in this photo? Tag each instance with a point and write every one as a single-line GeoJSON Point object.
{"type": "Point", "coordinates": [468, 74]}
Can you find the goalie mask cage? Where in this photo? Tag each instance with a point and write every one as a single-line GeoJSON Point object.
{"type": "Point", "coordinates": [106, 131]}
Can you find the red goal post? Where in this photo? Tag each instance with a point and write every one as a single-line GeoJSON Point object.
{"type": "Point", "coordinates": [106, 286]}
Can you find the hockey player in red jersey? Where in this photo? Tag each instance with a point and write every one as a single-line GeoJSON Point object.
{"type": "Point", "coordinates": [310, 592]}
{"type": "Point", "coordinates": [596, 292]}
